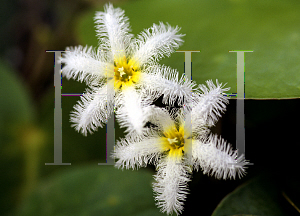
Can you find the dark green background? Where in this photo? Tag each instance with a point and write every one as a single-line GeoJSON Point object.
{"type": "Point", "coordinates": [28, 187]}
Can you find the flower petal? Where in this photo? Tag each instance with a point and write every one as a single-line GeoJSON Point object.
{"type": "Point", "coordinates": [217, 158]}
{"type": "Point", "coordinates": [112, 29]}
{"type": "Point", "coordinates": [210, 104]}
{"type": "Point", "coordinates": [162, 80]}
{"type": "Point", "coordinates": [161, 118]}
{"type": "Point", "coordinates": [171, 184]}
{"type": "Point", "coordinates": [93, 110]}
{"type": "Point", "coordinates": [137, 151]}
{"type": "Point", "coordinates": [133, 110]}
{"type": "Point", "coordinates": [157, 42]}
{"type": "Point", "coordinates": [83, 63]}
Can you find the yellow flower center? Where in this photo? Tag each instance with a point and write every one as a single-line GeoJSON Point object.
{"type": "Point", "coordinates": [126, 72]}
{"type": "Point", "coordinates": [173, 141]}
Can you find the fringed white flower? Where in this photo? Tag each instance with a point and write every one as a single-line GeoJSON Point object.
{"type": "Point", "coordinates": [167, 144]}
{"type": "Point", "coordinates": [217, 158]}
{"type": "Point", "coordinates": [171, 184]}
{"type": "Point", "coordinates": [164, 81]}
{"type": "Point", "coordinates": [120, 61]}
{"type": "Point", "coordinates": [133, 110]}
{"type": "Point", "coordinates": [94, 105]}
{"type": "Point", "coordinates": [212, 103]}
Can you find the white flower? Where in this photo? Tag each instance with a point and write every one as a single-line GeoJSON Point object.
{"type": "Point", "coordinates": [165, 145]}
{"type": "Point", "coordinates": [133, 107]}
{"type": "Point", "coordinates": [118, 64]}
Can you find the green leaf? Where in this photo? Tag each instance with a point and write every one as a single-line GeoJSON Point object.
{"type": "Point", "coordinates": [259, 196]}
{"type": "Point", "coordinates": [17, 133]}
{"type": "Point", "coordinates": [93, 190]}
{"type": "Point", "coordinates": [269, 28]}
{"type": "Point", "coordinates": [15, 104]}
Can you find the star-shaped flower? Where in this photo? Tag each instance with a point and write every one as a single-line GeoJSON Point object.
{"type": "Point", "coordinates": [121, 63]}
{"type": "Point", "coordinates": [167, 144]}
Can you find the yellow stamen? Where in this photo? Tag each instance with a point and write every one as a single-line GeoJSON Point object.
{"type": "Point", "coordinates": [121, 70]}
{"type": "Point", "coordinates": [127, 72]}
{"type": "Point", "coordinates": [173, 141]}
